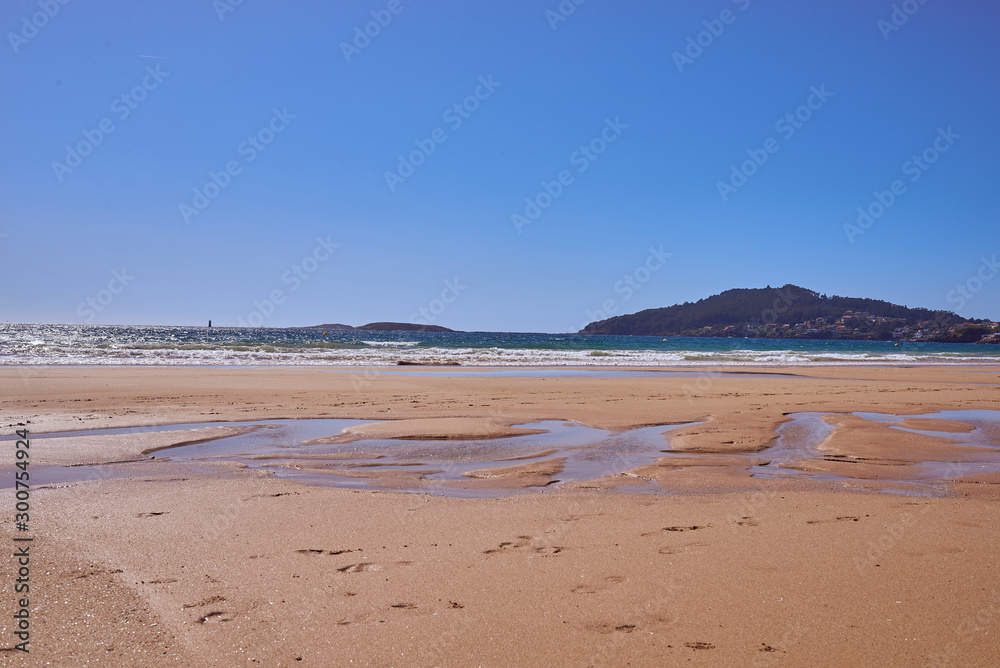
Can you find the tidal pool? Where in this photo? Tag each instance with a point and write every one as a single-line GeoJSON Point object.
{"type": "Point", "coordinates": [573, 453]}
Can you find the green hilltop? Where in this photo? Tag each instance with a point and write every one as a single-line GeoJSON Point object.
{"type": "Point", "coordinates": [795, 312]}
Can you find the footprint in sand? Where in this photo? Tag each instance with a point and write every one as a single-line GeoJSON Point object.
{"type": "Point", "coordinates": [526, 544]}
{"type": "Point", "coordinates": [602, 586]}
{"type": "Point", "coordinates": [359, 568]}
{"type": "Point", "coordinates": [365, 567]}
{"type": "Point", "coordinates": [587, 589]}
{"type": "Point", "coordinates": [678, 549]}
{"type": "Point", "coordinates": [651, 616]}
{"type": "Point", "coordinates": [81, 576]}
{"type": "Point", "coordinates": [644, 621]}
{"type": "Point", "coordinates": [693, 527]}
{"type": "Point", "coordinates": [208, 601]}
{"type": "Point", "coordinates": [606, 628]}
{"type": "Point", "coordinates": [214, 616]}
{"type": "Point", "coordinates": [842, 518]}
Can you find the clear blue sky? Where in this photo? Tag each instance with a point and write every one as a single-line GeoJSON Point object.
{"type": "Point", "coordinates": [217, 81]}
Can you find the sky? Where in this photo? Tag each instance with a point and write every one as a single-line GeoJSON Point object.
{"type": "Point", "coordinates": [503, 166]}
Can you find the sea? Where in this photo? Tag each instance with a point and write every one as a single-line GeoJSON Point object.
{"type": "Point", "coordinates": [110, 345]}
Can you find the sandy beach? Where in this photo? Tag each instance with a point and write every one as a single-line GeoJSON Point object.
{"type": "Point", "coordinates": [218, 565]}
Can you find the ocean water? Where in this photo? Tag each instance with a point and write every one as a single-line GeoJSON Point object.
{"type": "Point", "coordinates": [154, 345]}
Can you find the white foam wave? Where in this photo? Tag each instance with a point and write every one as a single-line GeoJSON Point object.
{"type": "Point", "coordinates": [382, 355]}
{"type": "Point", "coordinates": [390, 344]}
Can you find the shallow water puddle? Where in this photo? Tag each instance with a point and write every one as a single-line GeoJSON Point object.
{"type": "Point", "coordinates": [581, 454]}
{"type": "Point", "coordinates": [567, 452]}
{"type": "Point", "coordinates": [798, 440]}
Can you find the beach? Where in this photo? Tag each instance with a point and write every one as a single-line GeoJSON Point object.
{"type": "Point", "coordinates": [689, 559]}
{"type": "Point", "coordinates": [350, 335]}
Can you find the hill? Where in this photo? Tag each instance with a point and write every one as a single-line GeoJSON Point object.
{"type": "Point", "coordinates": [385, 327]}
{"type": "Point", "coordinates": [402, 327]}
{"type": "Point", "coordinates": [329, 326]}
{"type": "Point", "coordinates": [790, 312]}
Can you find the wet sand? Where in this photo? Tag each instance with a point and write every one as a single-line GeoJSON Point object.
{"type": "Point", "coordinates": [236, 567]}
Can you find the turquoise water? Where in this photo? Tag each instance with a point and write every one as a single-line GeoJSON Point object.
{"type": "Point", "coordinates": [118, 345]}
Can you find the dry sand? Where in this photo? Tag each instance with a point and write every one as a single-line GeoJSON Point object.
{"type": "Point", "coordinates": [239, 568]}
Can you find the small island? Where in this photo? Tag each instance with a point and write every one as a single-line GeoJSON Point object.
{"type": "Point", "coordinates": [384, 327]}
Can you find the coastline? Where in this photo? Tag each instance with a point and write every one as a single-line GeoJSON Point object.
{"type": "Point", "coordinates": [718, 568]}
{"type": "Point", "coordinates": [198, 346]}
